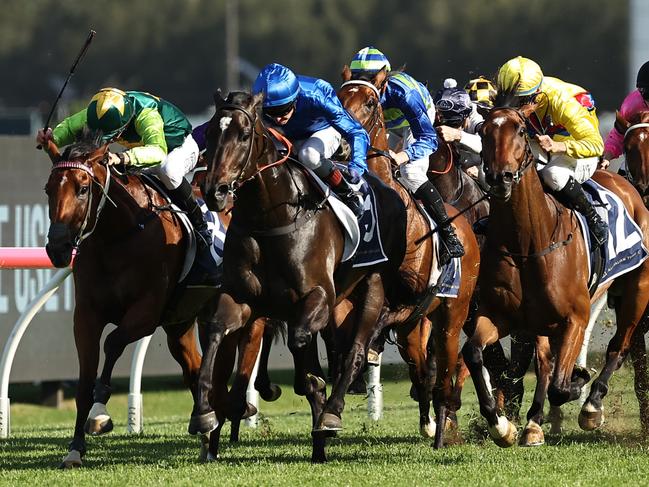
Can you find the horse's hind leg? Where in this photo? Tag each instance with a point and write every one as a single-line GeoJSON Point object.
{"type": "Point", "coordinates": [87, 333]}
{"type": "Point", "coordinates": [238, 407]}
{"type": "Point", "coordinates": [641, 375]}
{"type": "Point", "coordinates": [267, 390]}
{"type": "Point", "coordinates": [181, 341]}
{"type": "Point", "coordinates": [630, 311]}
{"type": "Point", "coordinates": [500, 429]}
{"type": "Point", "coordinates": [533, 434]}
{"type": "Point", "coordinates": [511, 381]}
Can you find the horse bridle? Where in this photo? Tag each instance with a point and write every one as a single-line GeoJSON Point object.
{"type": "Point", "coordinates": [104, 197]}
{"type": "Point", "coordinates": [515, 177]}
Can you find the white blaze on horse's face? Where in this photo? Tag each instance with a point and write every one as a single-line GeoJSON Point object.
{"type": "Point", "coordinates": [499, 121]}
{"type": "Point", "coordinates": [64, 180]}
{"type": "Point", "coordinates": [224, 123]}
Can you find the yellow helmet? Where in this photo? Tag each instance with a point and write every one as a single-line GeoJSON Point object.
{"type": "Point", "coordinates": [520, 76]}
{"type": "Point", "coordinates": [481, 91]}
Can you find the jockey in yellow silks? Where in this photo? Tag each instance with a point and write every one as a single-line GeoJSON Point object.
{"type": "Point", "coordinates": [566, 128]}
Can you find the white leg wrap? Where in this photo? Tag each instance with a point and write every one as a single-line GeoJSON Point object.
{"type": "Point", "coordinates": [428, 430]}
{"type": "Point", "coordinates": [98, 412]}
{"type": "Point", "coordinates": [589, 408]}
{"type": "Point", "coordinates": [500, 429]}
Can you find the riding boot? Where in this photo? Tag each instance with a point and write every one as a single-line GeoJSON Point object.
{"type": "Point", "coordinates": [345, 192]}
{"type": "Point", "coordinates": [574, 197]}
{"type": "Point", "coordinates": [434, 204]}
{"type": "Point", "coordinates": [183, 196]}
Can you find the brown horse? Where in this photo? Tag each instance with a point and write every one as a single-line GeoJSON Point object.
{"type": "Point", "coordinates": [636, 152]}
{"type": "Point", "coordinates": [534, 280]}
{"type": "Point", "coordinates": [130, 256]}
{"type": "Point", "coordinates": [282, 257]}
{"type": "Point", "coordinates": [361, 98]}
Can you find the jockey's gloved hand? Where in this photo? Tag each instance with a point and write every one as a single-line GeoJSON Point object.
{"type": "Point", "coordinates": [353, 176]}
{"type": "Point", "coordinates": [43, 136]}
{"type": "Point", "coordinates": [119, 158]}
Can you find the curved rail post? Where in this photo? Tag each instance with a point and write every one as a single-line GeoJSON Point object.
{"type": "Point", "coordinates": [14, 339]}
{"type": "Point", "coordinates": [135, 418]}
{"type": "Point", "coordinates": [595, 310]}
{"type": "Point", "coordinates": [375, 392]}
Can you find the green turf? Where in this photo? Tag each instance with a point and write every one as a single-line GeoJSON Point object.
{"type": "Point", "coordinates": [389, 452]}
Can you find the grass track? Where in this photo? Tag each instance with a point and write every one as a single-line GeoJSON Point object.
{"type": "Point", "coordinates": [389, 452]}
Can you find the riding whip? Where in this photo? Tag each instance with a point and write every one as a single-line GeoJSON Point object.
{"type": "Point", "coordinates": [82, 53]}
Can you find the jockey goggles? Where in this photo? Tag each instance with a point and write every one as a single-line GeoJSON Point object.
{"type": "Point", "coordinates": [279, 111]}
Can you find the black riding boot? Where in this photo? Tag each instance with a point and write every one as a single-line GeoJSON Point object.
{"type": "Point", "coordinates": [183, 196]}
{"type": "Point", "coordinates": [345, 192]}
{"type": "Point", "coordinates": [434, 204]}
{"type": "Point", "coordinates": [574, 197]}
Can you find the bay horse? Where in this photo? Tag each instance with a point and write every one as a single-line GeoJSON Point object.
{"type": "Point", "coordinates": [131, 251]}
{"type": "Point", "coordinates": [282, 256]}
{"type": "Point", "coordinates": [448, 315]}
{"type": "Point", "coordinates": [534, 280]}
{"type": "Point", "coordinates": [636, 153]}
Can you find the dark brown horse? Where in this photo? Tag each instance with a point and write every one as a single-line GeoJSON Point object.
{"type": "Point", "coordinates": [130, 256]}
{"type": "Point", "coordinates": [282, 257]}
{"type": "Point", "coordinates": [361, 99]}
{"type": "Point", "coordinates": [534, 279]}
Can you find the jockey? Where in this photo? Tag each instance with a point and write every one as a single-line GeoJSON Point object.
{"type": "Point", "coordinates": [482, 93]}
{"type": "Point", "coordinates": [636, 101]}
{"type": "Point", "coordinates": [409, 114]}
{"type": "Point", "coordinates": [458, 122]}
{"type": "Point", "coordinates": [157, 135]}
{"type": "Point", "coordinates": [566, 127]}
{"type": "Point", "coordinates": [311, 115]}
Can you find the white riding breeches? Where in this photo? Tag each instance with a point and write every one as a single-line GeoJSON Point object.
{"type": "Point", "coordinates": [321, 145]}
{"type": "Point", "coordinates": [557, 171]}
{"type": "Point", "coordinates": [412, 173]}
{"type": "Point", "coordinates": [178, 162]}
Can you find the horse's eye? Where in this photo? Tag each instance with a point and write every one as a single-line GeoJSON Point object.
{"type": "Point", "coordinates": [371, 103]}
{"type": "Point", "coordinates": [83, 190]}
{"type": "Point", "coordinates": [521, 132]}
{"type": "Point", "coordinates": [243, 136]}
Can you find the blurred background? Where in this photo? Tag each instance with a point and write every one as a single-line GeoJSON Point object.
{"type": "Point", "coordinates": [183, 50]}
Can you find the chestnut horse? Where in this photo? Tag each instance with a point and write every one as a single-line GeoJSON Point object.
{"type": "Point", "coordinates": [534, 280]}
{"type": "Point", "coordinates": [448, 315]}
{"type": "Point", "coordinates": [130, 255]}
{"type": "Point", "coordinates": [282, 257]}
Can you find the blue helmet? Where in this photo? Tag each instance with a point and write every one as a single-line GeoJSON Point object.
{"type": "Point", "coordinates": [278, 84]}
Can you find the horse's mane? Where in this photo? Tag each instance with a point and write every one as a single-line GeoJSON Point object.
{"type": "Point", "coordinates": [639, 117]}
{"type": "Point", "coordinates": [87, 142]}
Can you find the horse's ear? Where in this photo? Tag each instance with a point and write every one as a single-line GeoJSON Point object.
{"type": "Point", "coordinates": [380, 78]}
{"type": "Point", "coordinates": [53, 151]}
{"type": "Point", "coordinates": [346, 74]}
{"type": "Point", "coordinates": [97, 155]}
{"type": "Point", "coordinates": [218, 98]}
{"type": "Point", "coordinates": [257, 100]}
{"type": "Point", "coordinates": [528, 109]}
{"type": "Point", "coordinates": [621, 123]}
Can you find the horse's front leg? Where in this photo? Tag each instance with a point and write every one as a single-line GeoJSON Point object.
{"type": "Point", "coordinates": [139, 321]}
{"type": "Point", "coordinates": [267, 390]}
{"type": "Point", "coordinates": [501, 430]}
{"type": "Point", "coordinates": [226, 317]}
{"type": "Point", "coordinates": [87, 333]}
{"type": "Point", "coordinates": [533, 434]}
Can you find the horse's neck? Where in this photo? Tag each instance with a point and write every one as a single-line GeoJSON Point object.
{"type": "Point", "coordinates": [526, 223]}
{"type": "Point", "coordinates": [444, 177]}
{"type": "Point", "coordinates": [378, 164]}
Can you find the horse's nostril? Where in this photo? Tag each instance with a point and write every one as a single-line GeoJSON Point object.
{"type": "Point", "coordinates": [222, 189]}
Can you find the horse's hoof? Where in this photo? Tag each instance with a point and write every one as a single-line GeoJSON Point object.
{"type": "Point", "coordinates": [249, 412]}
{"type": "Point", "coordinates": [427, 430]}
{"type": "Point", "coordinates": [328, 422]}
{"type": "Point", "coordinates": [504, 433]}
{"type": "Point", "coordinates": [71, 460]}
{"type": "Point", "coordinates": [98, 426]}
{"type": "Point", "coordinates": [272, 393]}
{"type": "Point", "coordinates": [202, 423]}
{"type": "Point", "coordinates": [532, 435]}
{"type": "Point", "coordinates": [317, 383]}
{"type": "Point", "coordinates": [98, 421]}
{"type": "Point", "coordinates": [590, 418]}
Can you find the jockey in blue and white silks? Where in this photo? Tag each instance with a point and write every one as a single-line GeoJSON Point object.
{"type": "Point", "coordinates": [311, 115]}
{"type": "Point", "coordinates": [409, 114]}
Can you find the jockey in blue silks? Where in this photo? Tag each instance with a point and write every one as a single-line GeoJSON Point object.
{"type": "Point", "coordinates": [409, 114]}
{"type": "Point", "coordinates": [311, 115]}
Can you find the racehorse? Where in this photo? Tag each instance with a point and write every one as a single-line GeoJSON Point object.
{"type": "Point", "coordinates": [130, 256]}
{"type": "Point", "coordinates": [534, 280]}
{"type": "Point", "coordinates": [282, 257]}
{"type": "Point", "coordinates": [362, 99]}
{"type": "Point", "coordinates": [636, 152]}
